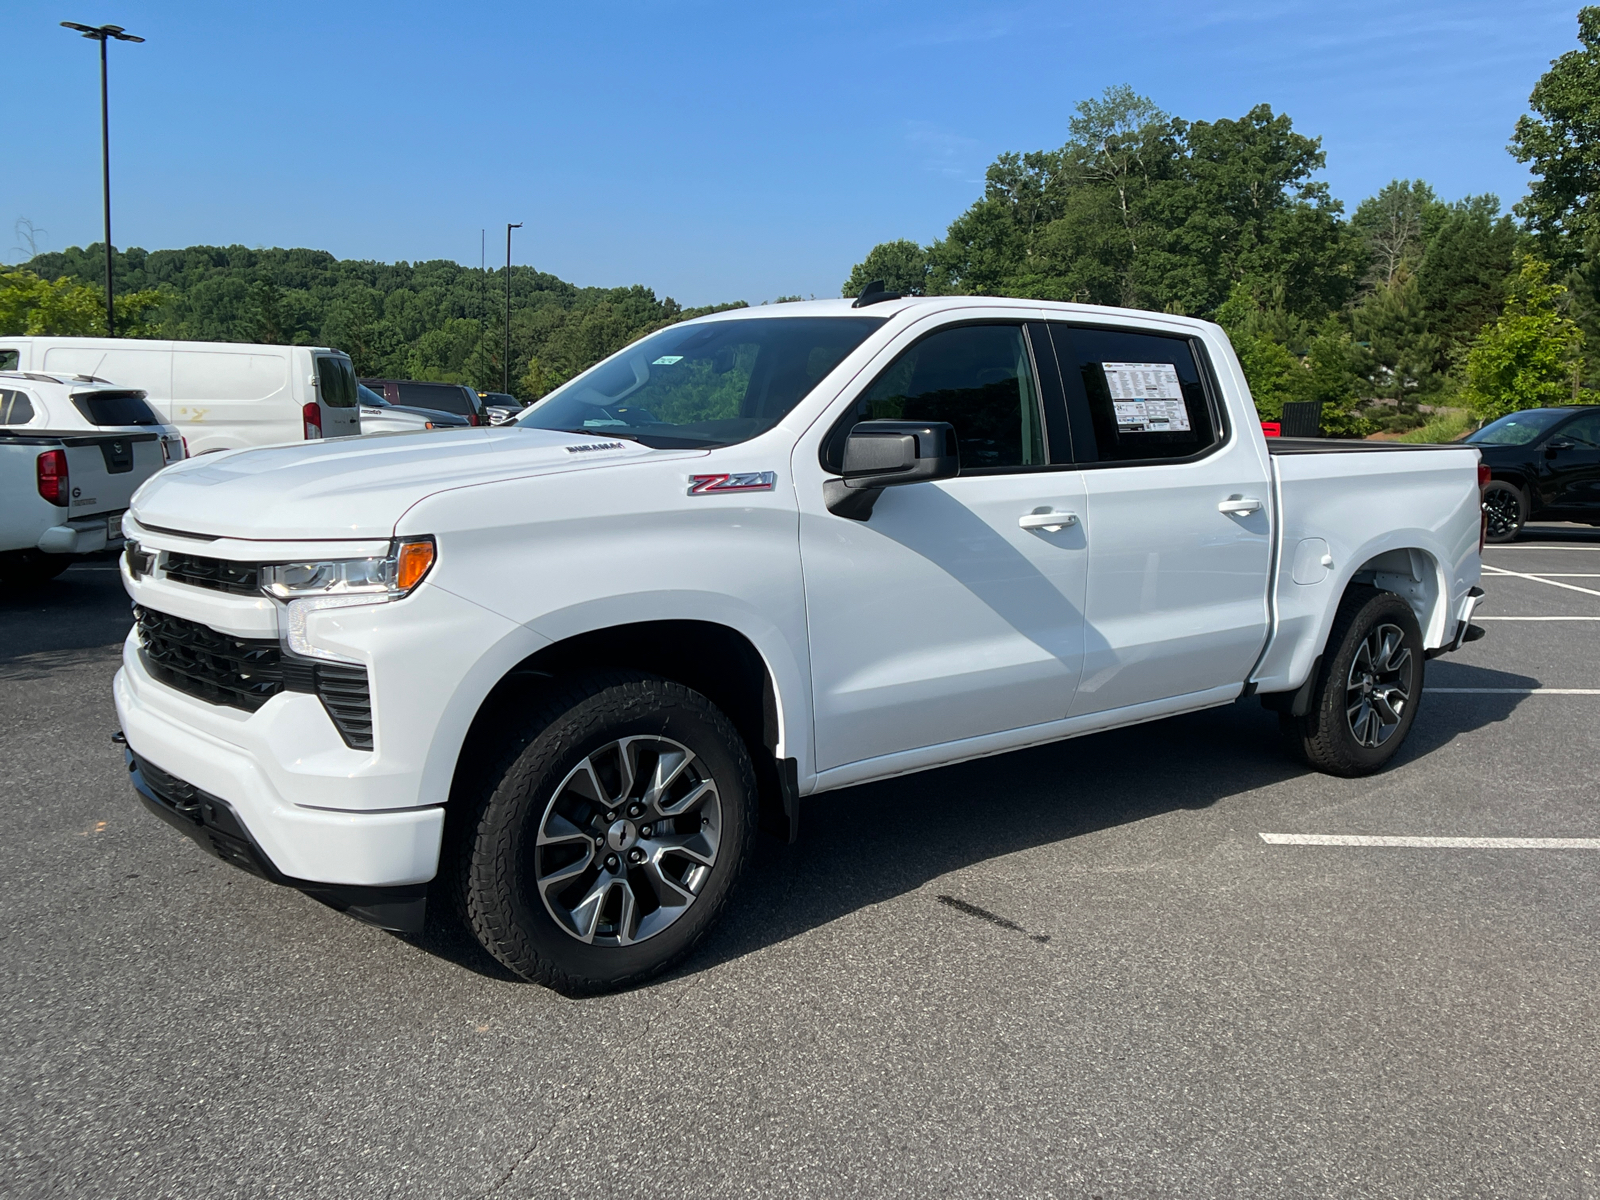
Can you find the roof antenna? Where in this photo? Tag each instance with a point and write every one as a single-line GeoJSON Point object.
{"type": "Point", "coordinates": [874, 293]}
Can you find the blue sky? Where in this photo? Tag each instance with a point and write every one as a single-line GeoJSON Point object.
{"type": "Point", "coordinates": [712, 151]}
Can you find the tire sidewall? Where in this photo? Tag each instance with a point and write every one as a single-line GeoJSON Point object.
{"type": "Point", "coordinates": [502, 865]}
{"type": "Point", "coordinates": [1382, 608]}
{"type": "Point", "coordinates": [1521, 501]}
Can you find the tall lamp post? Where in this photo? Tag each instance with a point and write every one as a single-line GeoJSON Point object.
{"type": "Point", "coordinates": [505, 363]}
{"type": "Point", "coordinates": [103, 34]}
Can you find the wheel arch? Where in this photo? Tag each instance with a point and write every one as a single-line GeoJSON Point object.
{"type": "Point", "coordinates": [720, 662]}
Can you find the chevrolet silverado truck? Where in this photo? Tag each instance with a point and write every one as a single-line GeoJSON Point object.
{"type": "Point", "coordinates": [558, 673]}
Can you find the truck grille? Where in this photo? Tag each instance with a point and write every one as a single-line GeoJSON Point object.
{"type": "Point", "coordinates": [218, 574]}
{"type": "Point", "coordinates": [245, 673]}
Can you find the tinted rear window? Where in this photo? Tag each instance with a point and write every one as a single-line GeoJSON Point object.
{"type": "Point", "coordinates": [446, 397]}
{"type": "Point", "coordinates": [1141, 393]}
{"type": "Point", "coordinates": [15, 408]}
{"type": "Point", "coordinates": [337, 382]}
{"type": "Point", "coordinates": [115, 408]}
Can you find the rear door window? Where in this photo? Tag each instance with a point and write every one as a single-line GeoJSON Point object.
{"type": "Point", "coordinates": [980, 379]}
{"type": "Point", "coordinates": [115, 408]}
{"type": "Point", "coordinates": [15, 408]}
{"type": "Point", "coordinates": [337, 382]}
{"type": "Point", "coordinates": [1133, 396]}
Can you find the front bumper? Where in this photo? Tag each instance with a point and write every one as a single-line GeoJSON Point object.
{"type": "Point", "coordinates": [320, 845]}
{"type": "Point", "coordinates": [214, 825]}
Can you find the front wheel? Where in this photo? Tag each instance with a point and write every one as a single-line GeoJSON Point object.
{"type": "Point", "coordinates": [1505, 511]}
{"type": "Point", "coordinates": [605, 850]}
{"type": "Point", "coordinates": [1367, 687]}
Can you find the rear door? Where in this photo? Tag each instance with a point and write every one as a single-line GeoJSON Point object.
{"type": "Point", "coordinates": [336, 393]}
{"type": "Point", "coordinates": [1178, 520]}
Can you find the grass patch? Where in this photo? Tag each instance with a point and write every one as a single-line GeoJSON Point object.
{"type": "Point", "coordinates": [1442, 427]}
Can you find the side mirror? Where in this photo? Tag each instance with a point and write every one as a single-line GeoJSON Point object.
{"type": "Point", "coordinates": [880, 454]}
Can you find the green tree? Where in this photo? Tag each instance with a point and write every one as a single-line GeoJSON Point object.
{"type": "Point", "coordinates": [1399, 348]}
{"type": "Point", "coordinates": [35, 307]}
{"type": "Point", "coordinates": [1394, 224]}
{"type": "Point", "coordinates": [1461, 278]}
{"type": "Point", "coordinates": [902, 265]}
{"type": "Point", "coordinates": [1530, 356]}
{"type": "Point", "coordinates": [1560, 141]}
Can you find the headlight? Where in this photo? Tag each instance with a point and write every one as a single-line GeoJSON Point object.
{"type": "Point", "coordinates": [311, 587]}
{"type": "Point", "coordinates": [363, 580]}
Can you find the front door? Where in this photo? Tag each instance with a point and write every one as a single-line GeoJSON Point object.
{"type": "Point", "coordinates": [941, 618]}
{"type": "Point", "coordinates": [1177, 522]}
{"type": "Point", "coordinates": [1572, 457]}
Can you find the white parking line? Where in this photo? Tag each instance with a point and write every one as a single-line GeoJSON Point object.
{"type": "Point", "coordinates": [1539, 691]}
{"type": "Point", "coordinates": [1430, 843]}
{"type": "Point", "coordinates": [1481, 617]}
{"type": "Point", "coordinates": [1535, 546]}
{"type": "Point", "coordinates": [1571, 587]}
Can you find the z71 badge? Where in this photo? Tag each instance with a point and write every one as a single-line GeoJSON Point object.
{"type": "Point", "coordinates": [743, 481]}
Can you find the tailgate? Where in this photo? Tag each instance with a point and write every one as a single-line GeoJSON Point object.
{"type": "Point", "coordinates": [105, 469]}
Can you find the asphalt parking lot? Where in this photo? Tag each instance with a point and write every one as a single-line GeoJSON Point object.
{"type": "Point", "coordinates": [1076, 971]}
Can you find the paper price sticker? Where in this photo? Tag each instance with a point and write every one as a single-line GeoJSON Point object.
{"type": "Point", "coordinates": [1147, 397]}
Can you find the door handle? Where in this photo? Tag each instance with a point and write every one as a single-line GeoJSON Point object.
{"type": "Point", "coordinates": [1051, 521]}
{"type": "Point", "coordinates": [1239, 505]}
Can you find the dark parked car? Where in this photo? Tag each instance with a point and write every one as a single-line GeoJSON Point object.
{"type": "Point", "coordinates": [503, 407]}
{"type": "Point", "coordinates": [440, 397]}
{"type": "Point", "coordinates": [1544, 463]}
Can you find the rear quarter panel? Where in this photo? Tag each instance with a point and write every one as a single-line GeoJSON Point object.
{"type": "Point", "coordinates": [1362, 505]}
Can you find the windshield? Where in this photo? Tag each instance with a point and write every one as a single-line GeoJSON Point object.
{"type": "Point", "coordinates": [707, 384]}
{"type": "Point", "coordinates": [370, 398]}
{"type": "Point", "coordinates": [1517, 429]}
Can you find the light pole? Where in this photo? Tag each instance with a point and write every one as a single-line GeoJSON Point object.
{"type": "Point", "coordinates": [505, 363]}
{"type": "Point", "coordinates": [103, 34]}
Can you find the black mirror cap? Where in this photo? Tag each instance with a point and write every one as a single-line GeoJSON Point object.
{"type": "Point", "coordinates": [880, 454]}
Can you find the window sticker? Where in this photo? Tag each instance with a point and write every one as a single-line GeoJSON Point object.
{"type": "Point", "coordinates": [1147, 397]}
{"type": "Point", "coordinates": [666, 360]}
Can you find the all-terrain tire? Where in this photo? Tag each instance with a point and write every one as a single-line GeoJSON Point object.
{"type": "Point", "coordinates": [496, 833]}
{"type": "Point", "coordinates": [1327, 737]}
{"type": "Point", "coordinates": [1505, 510]}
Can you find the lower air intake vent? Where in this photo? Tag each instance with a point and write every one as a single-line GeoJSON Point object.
{"type": "Point", "coordinates": [220, 668]}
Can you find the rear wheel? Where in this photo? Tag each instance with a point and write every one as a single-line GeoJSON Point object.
{"type": "Point", "coordinates": [1367, 689]}
{"type": "Point", "coordinates": [1505, 511]}
{"type": "Point", "coordinates": [607, 847]}
{"type": "Point", "coordinates": [24, 569]}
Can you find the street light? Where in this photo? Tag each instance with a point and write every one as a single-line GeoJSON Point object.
{"type": "Point", "coordinates": [505, 364]}
{"type": "Point", "coordinates": [103, 34]}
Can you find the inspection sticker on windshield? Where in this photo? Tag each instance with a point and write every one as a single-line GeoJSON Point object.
{"type": "Point", "coordinates": [1147, 397]}
{"type": "Point", "coordinates": [666, 360]}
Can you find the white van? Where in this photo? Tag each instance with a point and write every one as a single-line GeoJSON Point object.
{"type": "Point", "coordinates": [220, 395]}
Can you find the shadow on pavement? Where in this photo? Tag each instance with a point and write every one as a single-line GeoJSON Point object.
{"type": "Point", "coordinates": [1562, 533]}
{"type": "Point", "coordinates": [85, 608]}
{"type": "Point", "coordinates": [860, 846]}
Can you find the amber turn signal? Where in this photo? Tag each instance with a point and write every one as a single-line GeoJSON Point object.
{"type": "Point", "coordinates": [414, 559]}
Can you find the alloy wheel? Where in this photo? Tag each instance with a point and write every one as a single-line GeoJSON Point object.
{"type": "Point", "coordinates": [628, 841]}
{"type": "Point", "coordinates": [1378, 688]}
{"type": "Point", "coordinates": [1502, 512]}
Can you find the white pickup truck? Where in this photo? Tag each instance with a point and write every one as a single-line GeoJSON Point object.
{"type": "Point", "coordinates": [72, 451]}
{"type": "Point", "coordinates": [560, 671]}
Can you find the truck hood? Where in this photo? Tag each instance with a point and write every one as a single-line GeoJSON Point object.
{"type": "Point", "coordinates": [356, 487]}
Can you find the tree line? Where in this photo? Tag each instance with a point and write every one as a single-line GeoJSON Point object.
{"type": "Point", "coordinates": [431, 320]}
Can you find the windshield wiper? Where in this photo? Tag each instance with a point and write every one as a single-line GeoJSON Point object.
{"type": "Point", "coordinates": [610, 433]}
